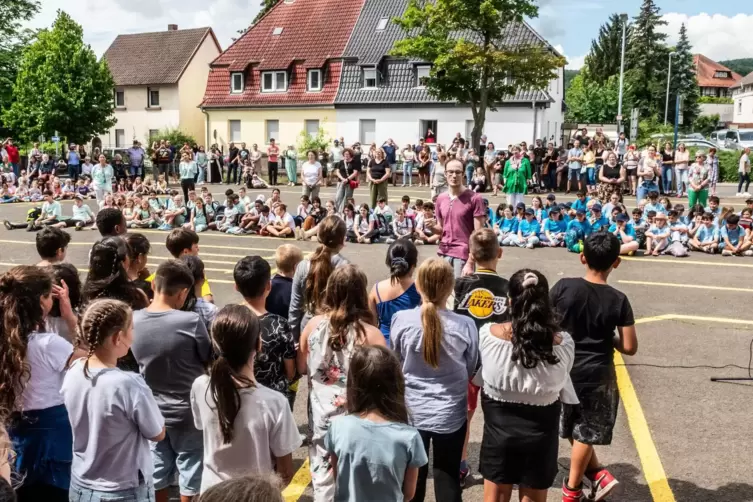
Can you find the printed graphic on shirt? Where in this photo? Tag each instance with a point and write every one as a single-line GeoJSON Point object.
{"type": "Point", "coordinates": [481, 303]}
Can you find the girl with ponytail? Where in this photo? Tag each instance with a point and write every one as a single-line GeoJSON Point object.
{"type": "Point", "coordinates": [326, 346]}
{"type": "Point", "coordinates": [32, 366]}
{"type": "Point", "coordinates": [397, 293]}
{"type": "Point", "coordinates": [112, 412]}
{"type": "Point", "coordinates": [438, 351]}
{"type": "Point", "coordinates": [312, 274]}
{"type": "Point", "coordinates": [525, 373]}
{"type": "Point", "coordinates": [247, 428]}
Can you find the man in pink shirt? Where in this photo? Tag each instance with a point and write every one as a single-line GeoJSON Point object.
{"type": "Point", "coordinates": [273, 151]}
{"type": "Point", "coordinates": [459, 212]}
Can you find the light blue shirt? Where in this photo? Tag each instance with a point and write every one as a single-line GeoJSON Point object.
{"type": "Point", "coordinates": [582, 226]}
{"type": "Point", "coordinates": [707, 234]}
{"type": "Point", "coordinates": [575, 152]}
{"type": "Point", "coordinates": [436, 397]}
{"type": "Point", "coordinates": [733, 235]}
{"type": "Point", "coordinates": [510, 225]}
{"type": "Point", "coordinates": [52, 210]}
{"type": "Point", "coordinates": [659, 208]}
{"type": "Point", "coordinates": [372, 458]}
{"type": "Point", "coordinates": [629, 230]}
{"type": "Point", "coordinates": [580, 204]}
{"type": "Point", "coordinates": [555, 226]}
{"type": "Point", "coordinates": [675, 234]}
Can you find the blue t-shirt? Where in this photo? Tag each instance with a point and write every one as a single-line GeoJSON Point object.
{"type": "Point", "coordinates": [659, 208]}
{"type": "Point", "coordinates": [734, 235]}
{"type": "Point", "coordinates": [582, 226]}
{"type": "Point", "coordinates": [597, 225]}
{"type": "Point", "coordinates": [675, 234]}
{"type": "Point", "coordinates": [510, 225]}
{"type": "Point", "coordinates": [528, 229]}
{"type": "Point", "coordinates": [629, 230]}
{"type": "Point", "coordinates": [73, 158]}
{"type": "Point", "coordinates": [372, 457]}
{"type": "Point", "coordinates": [555, 226]}
{"type": "Point", "coordinates": [575, 152]}
{"type": "Point", "coordinates": [659, 233]}
{"type": "Point", "coordinates": [706, 234]}
{"type": "Point", "coordinates": [580, 204]}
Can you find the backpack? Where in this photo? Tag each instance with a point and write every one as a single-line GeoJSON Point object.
{"type": "Point", "coordinates": [33, 214]}
{"type": "Point", "coordinates": [385, 229]}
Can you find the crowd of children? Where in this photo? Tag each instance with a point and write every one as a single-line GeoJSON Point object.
{"type": "Point", "coordinates": [138, 386]}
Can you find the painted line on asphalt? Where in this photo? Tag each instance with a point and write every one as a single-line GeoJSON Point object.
{"type": "Point", "coordinates": [684, 261]}
{"type": "Point", "coordinates": [687, 286]}
{"type": "Point", "coordinates": [298, 484]}
{"type": "Point", "coordinates": [216, 262]}
{"type": "Point", "coordinates": [200, 246]}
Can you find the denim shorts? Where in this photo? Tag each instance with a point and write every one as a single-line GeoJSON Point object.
{"type": "Point", "coordinates": [142, 493]}
{"type": "Point", "coordinates": [457, 264]}
{"type": "Point", "coordinates": [181, 450]}
{"type": "Point", "coordinates": [573, 174]}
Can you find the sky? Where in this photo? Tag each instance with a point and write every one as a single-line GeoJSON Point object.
{"type": "Point", "coordinates": [719, 30]}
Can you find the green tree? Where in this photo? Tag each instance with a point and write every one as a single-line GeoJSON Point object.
{"type": "Point", "coordinates": [13, 41]}
{"type": "Point", "coordinates": [648, 58]}
{"type": "Point", "coordinates": [61, 87]}
{"type": "Point", "coordinates": [742, 66]}
{"type": "Point", "coordinates": [466, 41]}
{"type": "Point", "coordinates": [266, 6]}
{"type": "Point", "coordinates": [569, 76]}
{"type": "Point", "coordinates": [683, 82]}
{"type": "Point", "coordinates": [706, 124]}
{"type": "Point", "coordinates": [591, 101]}
{"type": "Point", "coordinates": [603, 60]}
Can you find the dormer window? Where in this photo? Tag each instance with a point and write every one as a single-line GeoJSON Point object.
{"type": "Point", "coordinates": [422, 74]}
{"type": "Point", "coordinates": [382, 24]}
{"type": "Point", "coordinates": [277, 31]}
{"type": "Point", "coordinates": [369, 78]}
{"type": "Point", "coordinates": [721, 74]}
{"type": "Point", "coordinates": [314, 80]}
{"type": "Point", "coordinates": [236, 83]}
{"type": "Point", "coordinates": [274, 81]}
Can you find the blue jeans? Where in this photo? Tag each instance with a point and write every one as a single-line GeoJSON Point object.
{"type": "Point", "coordinates": [182, 450]}
{"type": "Point", "coordinates": [202, 175]}
{"type": "Point", "coordinates": [666, 178]}
{"type": "Point", "coordinates": [468, 174]}
{"type": "Point", "coordinates": [74, 171]}
{"type": "Point", "coordinates": [408, 173]}
{"type": "Point", "coordinates": [15, 168]}
{"type": "Point", "coordinates": [591, 176]}
{"type": "Point", "coordinates": [142, 493]}
{"type": "Point", "coordinates": [457, 265]}
{"type": "Point", "coordinates": [644, 188]}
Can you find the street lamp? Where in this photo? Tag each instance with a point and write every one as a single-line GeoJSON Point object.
{"type": "Point", "coordinates": [669, 77]}
{"type": "Point", "coordinates": [624, 19]}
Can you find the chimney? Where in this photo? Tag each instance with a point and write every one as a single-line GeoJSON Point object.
{"type": "Point", "coordinates": [172, 27]}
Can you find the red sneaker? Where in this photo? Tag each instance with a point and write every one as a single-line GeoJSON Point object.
{"type": "Point", "coordinates": [599, 483]}
{"type": "Point", "coordinates": [570, 495]}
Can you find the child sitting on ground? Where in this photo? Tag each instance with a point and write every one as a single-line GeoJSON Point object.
{"type": "Point", "coordinates": [402, 227]}
{"type": "Point", "coordinates": [175, 216]}
{"type": "Point", "coordinates": [554, 229]}
{"type": "Point", "coordinates": [581, 202]}
{"type": "Point", "coordinates": [625, 233]}
{"type": "Point", "coordinates": [425, 227]}
{"type": "Point", "coordinates": [577, 230]}
{"type": "Point", "coordinates": [384, 211]}
{"type": "Point", "coordinates": [506, 225]}
{"type": "Point", "coordinates": [657, 236]}
{"type": "Point", "coordinates": [528, 231]}
{"type": "Point", "coordinates": [706, 238]}
{"type": "Point", "coordinates": [732, 238]}
{"type": "Point", "coordinates": [678, 235]}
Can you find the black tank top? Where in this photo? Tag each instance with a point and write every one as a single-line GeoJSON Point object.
{"type": "Point", "coordinates": [612, 173]}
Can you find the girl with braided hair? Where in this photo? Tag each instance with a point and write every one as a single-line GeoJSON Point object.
{"type": "Point", "coordinates": [32, 365]}
{"type": "Point", "coordinates": [113, 413]}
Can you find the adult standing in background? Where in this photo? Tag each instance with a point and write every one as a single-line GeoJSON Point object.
{"type": "Point", "coordinates": [621, 147]}
{"type": "Point", "coordinates": [347, 171]}
{"type": "Point", "coordinates": [743, 173]}
{"type": "Point", "coordinates": [12, 151]}
{"type": "Point", "coordinates": [291, 165]}
{"type": "Point", "coordinates": [187, 171]}
{"type": "Point", "coordinates": [437, 176]}
{"type": "Point", "coordinates": [215, 165]}
{"type": "Point", "coordinates": [335, 157]}
{"type": "Point", "coordinates": [74, 163]}
{"type": "Point", "coordinates": [202, 162]}
{"type": "Point", "coordinates": [232, 169]}
{"type": "Point", "coordinates": [311, 172]}
{"type": "Point", "coordinates": [390, 154]}
{"type": "Point", "coordinates": [648, 172]}
{"type": "Point", "coordinates": [611, 177]}
{"type": "Point", "coordinates": [424, 165]}
{"type": "Point", "coordinates": [699, 178]}
{"type": "Point", "coordinates": [378, 175]}
{"type": "Point", "coordinates": [682, 160]}
{"type": "Point", "coordinates": [102, 175]}
{"type": "Point", "coordinates": [712, 161]}
{"type": "Point", "coordinates": [136, 159]}
{"type": "Point", "coordinates": [255, 156]}
{"type": "Point", "coordinates": [490, 159]}
{"type": "Point", "coordinates": [273, 153]}
{"type": "Point", "coordinates": [516, 175]}
{"type": "Point", "coordinates": [667, 166]}
{"type": "Point", "coordinates": [162, 155]}
{"type": "Point", "coordinates": [575, 164]}
{"type": "Point", "coordinates": [459, 212]}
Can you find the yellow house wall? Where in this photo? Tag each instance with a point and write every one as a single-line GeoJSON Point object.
{"type": "Point", "coordinates": [253, 124]}
{"type": "Point", "coordinates": [191, 89]}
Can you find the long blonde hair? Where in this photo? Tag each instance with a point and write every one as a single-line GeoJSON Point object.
{"type": "Point", "coordinates": [435, 281]}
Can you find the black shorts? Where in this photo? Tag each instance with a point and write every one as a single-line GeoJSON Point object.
{"type": "Point", "coordinates": [592, 420]}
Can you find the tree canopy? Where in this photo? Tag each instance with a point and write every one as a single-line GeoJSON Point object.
{"type": "Point", "coordinates": [648, 59]}
{"type": "Point", "coordinates": [742, 66]}
{"type": "Point", "coordinates": [61, 87]}
{"type": "Point", "coordinates": [603, 60]}
{"type": "Point", "coordinates": [472, 62]}
{"type": "Point", "coordinates": [683, 81]}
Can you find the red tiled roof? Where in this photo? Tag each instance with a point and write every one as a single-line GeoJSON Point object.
{"type": "Point", "coordinates": [706, 68]}
{"type": "Point", "coordinates": [314, 35]}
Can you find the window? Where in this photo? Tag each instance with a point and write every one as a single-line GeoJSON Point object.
{"type": "Point", "coordinates": [235, 130]}
{"type": "Point", "coordinates": [119, 138]}
{"type": "Point", "coordinates": [315, 80]}
{"type": "Point", "coordinates": [272, 129]}
{"type": "Point", "coordinates": [236, 82]}
{"type": "Point", "coordinates": [739, 107]}
{"type": "Point", "coordinates": [721, 74]}
{"type": "Point", "coordinates": [422, 73]}
{"type": "Point", "coordinates": [274, 81]}
{"type": "Point", "coordinates": [367, 131]}
{"type": "Point", "coordinates": [312, 128]}
{"type": "Point", "coordinates": [427, 129]}
{"type": "Point", "coordinates": [153, 133]}
{"type": "Point", "coordinates": [370, 78]}
{"type": "Point", "coordinates": [153, 97]}
{"type": "Point", "coordinates": [382, 24]}
{"type": "Point", "coordinates": [277, 31]}
{"type": "Point", "coordinates": [120, 99]}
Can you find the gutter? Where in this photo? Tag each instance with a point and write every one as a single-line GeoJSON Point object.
{"type": "Point", "coordinates": [206, 126]}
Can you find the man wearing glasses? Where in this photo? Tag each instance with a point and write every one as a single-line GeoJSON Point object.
{"type": "Point", "coordinates": [459, 212]}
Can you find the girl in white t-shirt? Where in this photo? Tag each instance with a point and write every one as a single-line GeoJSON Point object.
{"type": "Point", "coordinates": [247, 428]}
{"type": "Point", "coordinates": [743, 173]}
{"type": "Point", "coordinates": [112, 412]}
{"type": "Point", "coordinates": [32, 366]}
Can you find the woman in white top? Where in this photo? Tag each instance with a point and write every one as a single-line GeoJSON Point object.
{"type": "Point", "coordinates": [525, 372]}
{"type": "Point", "coordinates": [409, 159]}
{"type": "Point", "coordinates": [311, 172]}
{"type": "Point", "coordinates": [682, 162]}
{"type": "Point", "coordinates": [32, 366]}
{"type": "Point", "coordinates": [247, 428]}
{"type": "Point", "coordinates": [744, 174]}
{"type": "Point", "coordinates": [102, 175]}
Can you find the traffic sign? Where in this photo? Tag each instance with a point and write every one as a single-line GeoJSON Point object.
{"type": "Point", "coordinates": [619, 118]}
{"type": "Point", "coordinates": [55, 139]}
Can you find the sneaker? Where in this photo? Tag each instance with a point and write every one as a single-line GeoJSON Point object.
{"type": "Point", "coordinates": [418, 243]}
{"type": "Point", "coordinates": [726, 252]}
{"type": "Point", "coordinates": [389, 240]}
{"type": "Point", "coordinates": [748, 252]}
{"type": "Point", "coordinates": [739, 194]}
{"type": "Point", "coordinates": [599, 484]}
{"type": "Point", "coordinates": [7, 224]}
{"type": "Point", "coordinates": [570, 495]}
{"type": "Point", "coordinates": [464, 473]}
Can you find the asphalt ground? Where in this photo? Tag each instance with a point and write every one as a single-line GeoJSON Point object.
{"type": "Point", "coordinates": [678, 435]}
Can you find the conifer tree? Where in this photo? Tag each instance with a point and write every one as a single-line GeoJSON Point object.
{"type": "Point", "coordinates": [683, 81]}
{"type": "Point", "coordinates": [603, 60]}
{"type": "Point", "coordinates": [648, 60]}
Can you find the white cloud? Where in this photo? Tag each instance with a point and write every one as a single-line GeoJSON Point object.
{"type": "Point", "coordinates": [715, 36]}
{"type": "Point", "coordinates": [103, 20]}
{"type": "Point", "coordinates": [573, 63]}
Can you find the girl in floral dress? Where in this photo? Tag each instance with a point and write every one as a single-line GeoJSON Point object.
{"type": "Point", "coordinates": [326, 346]}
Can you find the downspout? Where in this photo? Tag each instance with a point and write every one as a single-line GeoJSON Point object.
{"type": "Point", "coordinates": [206, 128]}
{"type": "Point", "coordinates": [535, 119]}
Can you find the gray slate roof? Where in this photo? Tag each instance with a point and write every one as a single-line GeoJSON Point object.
{"type": "Point", "coordinates": [369, 47]}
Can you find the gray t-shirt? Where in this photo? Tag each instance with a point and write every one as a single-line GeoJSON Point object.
{"type": "Point", "coordinates": [172, 349]}
{"type": "Point", "coordinates": [112, 415]}
{"type": "Point", "coordinates": [372, 458]}
{"type": "Point", "coordinates": [436, 397]}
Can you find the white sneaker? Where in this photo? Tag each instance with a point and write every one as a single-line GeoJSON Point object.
{"type": "Point", "coordinates": [748, 252]}
{"type": "Point", "coordinates": [389, 240]}
{"type": "Point", "coordinates": [726, 252]}
{"type": "Point", "coordinates": [739, 194]}
{"type": "Point", "coordinates": [418, 243]}
{"type": "Point", "coordinates": [747, 194]}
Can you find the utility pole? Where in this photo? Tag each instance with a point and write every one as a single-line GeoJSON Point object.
{"type": "Point", "coordinates": [624, 19]}
{"type": "Point", "coordinates": [669, 79]}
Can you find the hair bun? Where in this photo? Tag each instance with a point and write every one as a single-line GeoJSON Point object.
{"type": "Point", "coordinates": [399, 266]}
{"type": "Point", "coordinates": [530, 279]}
{"type": "Point", "coordinates": [7, 283]}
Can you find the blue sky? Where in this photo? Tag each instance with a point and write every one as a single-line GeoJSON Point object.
{"type": "Point", "coordinates": [720, 30]}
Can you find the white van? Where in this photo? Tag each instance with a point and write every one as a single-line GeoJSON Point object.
{"type": "Point", "coordinates": [739, 139]}
{"type": "Point", "coordinates": [718, 137]}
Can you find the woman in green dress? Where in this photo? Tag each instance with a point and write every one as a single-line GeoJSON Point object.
{"type": "Point", "coordinates": [291, 165]}
{"type": "Point", "coordinates": [516, 174]}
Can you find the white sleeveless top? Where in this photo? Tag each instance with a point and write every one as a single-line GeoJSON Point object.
{"type": "Point", "coordinates": [505, 380]}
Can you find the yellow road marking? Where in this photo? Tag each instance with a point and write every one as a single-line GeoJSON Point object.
{"type": "Point", "coordinates": [217, 262]}
{"type": "Point", "coordinates": [683, 261]}
{"type": "Point", "coordinates": [690, 286]}
{"type": "Point", "coordinates": [298, 484]}
{"type": "Point", "coordinates": [679, 317]}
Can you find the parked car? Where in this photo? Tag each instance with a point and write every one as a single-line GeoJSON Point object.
{"type": "Point", "coordinates": [700, 143]}
{"type": "Point", "coordinates": [739, 139]}
{"type": "Point", "coordinates": [718, 137]}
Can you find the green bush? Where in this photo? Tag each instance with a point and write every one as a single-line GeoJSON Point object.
{"type": "Point", "coordinates": [728, 163]}
{"type": "Point", "coordinates": [319, 143]}
{"type": "Point", "coordinates": [174, 136]}
{"type": "Point", "coordinates": [715, 100]}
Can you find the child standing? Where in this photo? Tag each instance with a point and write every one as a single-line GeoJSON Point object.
{"type": "Point", "coordinates": [287, 258]}
{"type": "Point", "coordinates": [113, 413]}
{"type": "Point", "coordinates": [377, 415]}
{"type": "Point", "coordinates": [591, 310]}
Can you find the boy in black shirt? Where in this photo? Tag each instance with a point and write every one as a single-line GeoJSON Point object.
{"type": "Point", "coordinates": [287, 258]}
{"type": "Point", "coordinates": [482, 296]}
{"type": "Point", "coordinates": [591, 310]}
